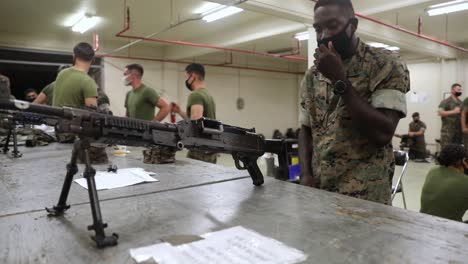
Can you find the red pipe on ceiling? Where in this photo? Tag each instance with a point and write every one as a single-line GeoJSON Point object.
{"type": "Point", "coordinates": [206, 64]}
{"type": "Point", "coordinates": [199, 45]}
{"type": "Point", "coordinates": [95, 42]}
{"type": "Point", "coordinates": [422, 36]}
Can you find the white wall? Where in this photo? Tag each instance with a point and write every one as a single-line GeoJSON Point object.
{"type": "Point", "coordinates": [433, 78]}
{"type": "Point", "coordinates": [270, 98]}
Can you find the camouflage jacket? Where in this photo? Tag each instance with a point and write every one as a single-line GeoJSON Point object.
{"type": "Point", "coordinates": [418, 143]}
{"type": "Point", "coordinates": [451, 126]}
{"type": "Point", "coordinates": [344, 160]}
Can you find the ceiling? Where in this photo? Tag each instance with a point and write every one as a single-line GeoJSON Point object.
{"type": "Point", "coordinates": [454, 25]}
{"type": "Point", "coordinates": [264, 25]}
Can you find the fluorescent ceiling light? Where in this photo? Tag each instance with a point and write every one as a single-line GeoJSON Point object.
{"type": "Point", "coordinates": [85, 23]}
{"type": "Point", "coordinates": [448, 7]}
{"type": "Point", "coordinates": [383, 46]}
{"type": "Point", "coordinates": [377, 45]}
{"type": "Point", "coordinates": [393, 48]}
{"type": "Point", "coordinates": [206, 7]}
{"type": "Point", "coordinates": [302, 36]}
{"type": "Point", "coordinates": [73, 19]}
{"type": "Point", "coordinates": [223, 12]}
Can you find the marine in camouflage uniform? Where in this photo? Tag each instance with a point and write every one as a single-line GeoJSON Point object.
{"type": "Point", "coordinates": [417, 144]}
{"type": "Point", "coordinates": [199, 98]}
{"type": "Point", "coordinates": [344, 160]}
{"type": "Point", "coordinates": [450, 132]}
{"type": "Point", "coordinates": [97, 151]}
{"type": "Point", "coordinates": [141, 103]}
{"type": "Point", "coordinates": [465, 121]}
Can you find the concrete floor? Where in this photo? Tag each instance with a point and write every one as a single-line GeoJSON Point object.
{"type": "Point", "coordinates": [413, 181]}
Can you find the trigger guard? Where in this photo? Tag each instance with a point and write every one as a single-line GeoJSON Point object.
{"type": "Point", "coordinates": [238, 165]}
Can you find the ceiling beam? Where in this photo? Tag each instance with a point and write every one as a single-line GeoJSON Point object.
{"type": "Point", "coordinates": [385, 5]}
{"type": "Point", "coordinates": [261, 28]}
{"type": "Point", "coordinates": [294, 15]}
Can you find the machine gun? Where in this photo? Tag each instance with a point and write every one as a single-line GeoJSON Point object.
{"type": "Point", "coordinates": [244, 145]}
{"type": "Point", "coordinates": [8, 124]}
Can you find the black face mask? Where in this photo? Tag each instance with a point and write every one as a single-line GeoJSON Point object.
{"type": "Point", "coordinates": [458, 94]}
{"type": "Point", "coordinates": [341, 42]}
{"type": "Point", "coordinates": [187, 84]}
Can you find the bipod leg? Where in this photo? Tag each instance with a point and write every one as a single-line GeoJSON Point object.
{"type": "Point", "coordinates": [7, 141]}
{"type": "Point", "coordinates": [98, 226]}
{"type": "Point", "coordinates": [72, 169]}
{"type": "Point", "coordinates": [15, 153]}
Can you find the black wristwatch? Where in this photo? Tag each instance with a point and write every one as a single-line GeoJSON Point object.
{"type": "Point", "coordinates": [340, 87]}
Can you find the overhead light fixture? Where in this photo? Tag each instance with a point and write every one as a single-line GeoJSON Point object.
{"type": "Point", "coordinates": [302, 36]}
{"type": "Point", "coordinates": [85, 24]}
{"type": "Point", "coordinates": [394, 48]}
{"type": "Point", "coordinates": [73, 19]}
{"type": "Point", "coordinates": [448, 7]}
{"type": "Point", "coordinates": [377, 45]}
{"type": "Point", "coordinates": [81, 22]}
{"type": "Point", "coordinates": [383, 46]}
{"type": "Point", "coordinates": [207, 7]}
{"type": "Point", "coordinates": [222, 12]}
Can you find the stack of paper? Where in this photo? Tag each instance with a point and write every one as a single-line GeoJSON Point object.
{"type": "Point", "coordinates": [234, 245]}
{"type": "Point", "coordinates": [123, 177]}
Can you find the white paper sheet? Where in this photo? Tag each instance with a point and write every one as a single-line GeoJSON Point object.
{"type": "Point", "coordinates": [162, 250]}
{"type": "Point", "coordinates": [234, 245]}
{"type": "Point", "coordinates": [418, 97]}
{"type": "Point", "coordinates": [123, 177]}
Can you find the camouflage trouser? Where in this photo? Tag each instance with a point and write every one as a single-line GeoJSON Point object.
{"type": "Point", "coordinates": [203, 156]}
{"type": "Point", "coordinates": [65, 137]}
{"type": "Point", "coordinates": [35, 137]}
{"type": "Point", "coordinates": [465, 141]}
{"type": "Point", "coordinates": [159, 155]}
{"type": "Point", "coordinates": [450, 138]}
{"type": "Point", "coordinates": [97, 154]}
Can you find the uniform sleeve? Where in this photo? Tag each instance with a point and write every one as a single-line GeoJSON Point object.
{"type": "Point", "coordinates": [152, 96]}
{"type": "Point", "coordinates": [390, 92]}
{"type": "Point", "coordinates": [465, 104]}
{"type": "Point", "coordinates": [195, 99]}
{"type": "Point", "coordinates": [102, 98]}
{"type": "Point", "coordinates": [90, 88]}
{"type": "Point", "coordinates": [443, 105]}
{"type": "Point", "coordinates": [46, 90]}
{"type": "Point", "coordinates": [126, 100]}
{"type": "Point", "coordinates": [304, 115]}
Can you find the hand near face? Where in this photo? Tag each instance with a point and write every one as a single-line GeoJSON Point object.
{"type": "Point", "coordinates": [328, 62]}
